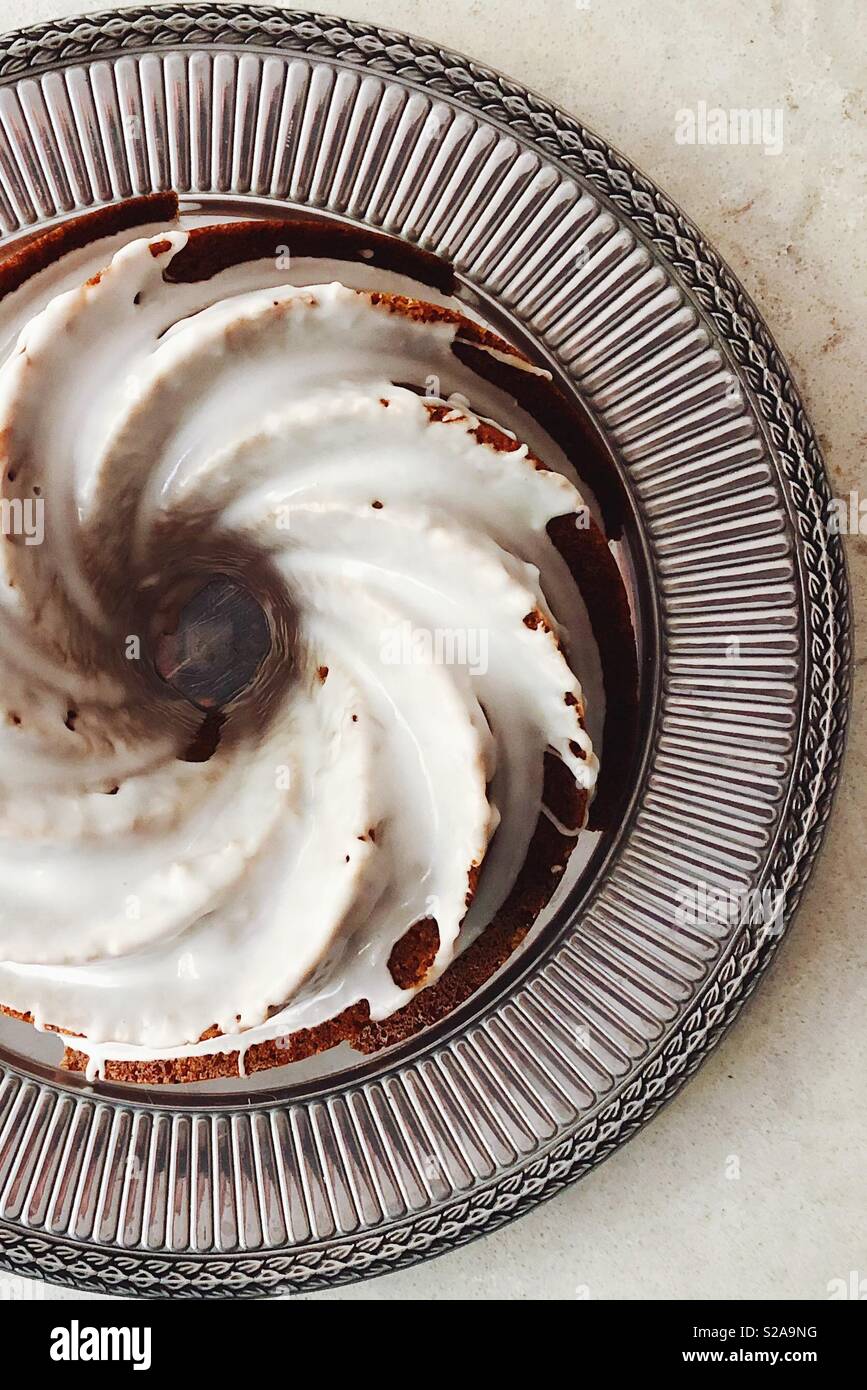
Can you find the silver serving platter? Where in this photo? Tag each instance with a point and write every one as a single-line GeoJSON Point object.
{"type": "Point", "coordinates": [357, 1168]}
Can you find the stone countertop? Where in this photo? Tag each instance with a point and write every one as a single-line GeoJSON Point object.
{"type": "Point", "coordinates": [751, 1183]}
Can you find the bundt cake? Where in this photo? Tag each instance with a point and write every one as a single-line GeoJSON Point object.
{"type": "Point", "coordinates": [345, 847]}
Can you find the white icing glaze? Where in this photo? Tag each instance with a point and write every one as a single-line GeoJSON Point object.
{"type": "Point", "coordinates": [247, 891]}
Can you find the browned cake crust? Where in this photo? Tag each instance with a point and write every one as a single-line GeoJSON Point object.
{"type": "Point", "coordinates": [78, 232]}
{"type": "Point", "coordinates": [211, 249]}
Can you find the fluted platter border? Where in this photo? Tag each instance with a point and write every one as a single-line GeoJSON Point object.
{"type": "Point", "coordinates": [424, 1151]}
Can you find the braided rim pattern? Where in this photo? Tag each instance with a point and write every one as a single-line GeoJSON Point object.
{"type": "Point", "coordinates": [793, 448]}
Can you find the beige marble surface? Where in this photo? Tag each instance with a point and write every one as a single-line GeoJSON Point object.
{"type": "Point", "coordinates": [786, 1092]}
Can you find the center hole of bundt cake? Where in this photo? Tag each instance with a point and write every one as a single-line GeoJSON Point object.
{"type": "Point", "coordinates": [210, 643]}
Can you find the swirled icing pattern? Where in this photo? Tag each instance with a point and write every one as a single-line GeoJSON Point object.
{"type": "Point", "coordinates": [414, 684]}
